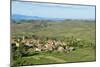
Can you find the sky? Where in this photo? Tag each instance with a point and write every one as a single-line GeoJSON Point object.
{"type": "Point", "coordinates": [51, 10]}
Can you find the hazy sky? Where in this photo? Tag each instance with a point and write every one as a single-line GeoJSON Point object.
{"type": "Point", "coordinates": [53, 10]}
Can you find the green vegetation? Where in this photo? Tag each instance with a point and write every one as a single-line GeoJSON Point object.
{"type": "Point", "coordinates": [78, 34]}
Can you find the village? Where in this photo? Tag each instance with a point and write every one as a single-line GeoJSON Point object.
{"type": "Point", "coordinates": [43, 45]}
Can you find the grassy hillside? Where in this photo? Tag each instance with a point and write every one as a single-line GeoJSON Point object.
{"type": "Point", "coordinates": [61, 30]}
{"type": "Point", "coordinates": [80, 29]}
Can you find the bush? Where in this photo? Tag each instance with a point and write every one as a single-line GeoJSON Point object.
{"type": "Point", "coordinates": [23, 50]}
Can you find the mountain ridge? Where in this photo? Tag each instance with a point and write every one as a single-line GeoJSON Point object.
{"type": "Point", "coordinates": [24, 17]}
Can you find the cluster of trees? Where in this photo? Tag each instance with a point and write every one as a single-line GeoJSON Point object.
{"type": "Point", "coordinates": [17, 53]}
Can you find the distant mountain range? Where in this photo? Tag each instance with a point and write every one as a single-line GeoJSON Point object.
{"type": "Point", "coordinates": [23, 17]}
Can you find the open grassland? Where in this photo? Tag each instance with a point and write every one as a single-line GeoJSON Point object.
{"type": "Point", "coordinates": [84, 30]}
{"type": "Point", "coordinates": [80, 29]}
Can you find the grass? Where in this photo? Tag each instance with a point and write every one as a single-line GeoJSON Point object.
{"type": "Point", "coordinates": [79, 55]}
{"type": "Point", "coordinates": [55, 29]}
{"type": "Point", "coordinates": [84, 30]}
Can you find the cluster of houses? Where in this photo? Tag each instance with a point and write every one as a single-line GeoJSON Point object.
{"type": "Point", "coordinates": [43, 45]}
